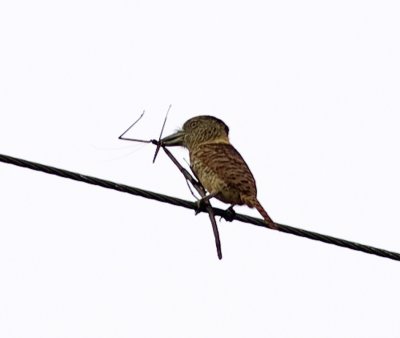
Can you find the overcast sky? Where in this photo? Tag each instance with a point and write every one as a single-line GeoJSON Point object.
{"type": "Point", "coordinates": [310, 91]}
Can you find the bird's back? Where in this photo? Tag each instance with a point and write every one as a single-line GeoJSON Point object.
{"type": "Point", "coordinates": [221, 169]}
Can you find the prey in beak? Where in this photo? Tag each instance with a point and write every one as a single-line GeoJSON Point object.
{"type": "Point", "coordinates": [175, 139]}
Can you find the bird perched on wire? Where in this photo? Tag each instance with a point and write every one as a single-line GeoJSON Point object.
{"type": "Point", "coordinates": [217, 164]}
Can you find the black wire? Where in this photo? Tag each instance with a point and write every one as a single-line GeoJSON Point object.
{"type": "Point", "coordinates": [191, 205]}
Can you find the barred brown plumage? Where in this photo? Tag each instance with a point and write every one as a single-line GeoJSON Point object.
{"type": "Point", "coordinates": [217, 164]}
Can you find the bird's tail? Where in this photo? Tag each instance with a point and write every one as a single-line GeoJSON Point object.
{"type": "Point", "coordinates": [265, 215]}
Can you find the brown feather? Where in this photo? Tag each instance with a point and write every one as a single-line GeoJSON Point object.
{"type": "Point", "coordinates": [217, 164]}
{"type": "Point", "coordinates": [221, 169]}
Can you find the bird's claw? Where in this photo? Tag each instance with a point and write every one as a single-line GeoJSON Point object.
{"type": "Point", "coordinates": [200, 206]}
{"type": "Point", "coordinates": [230, 214]}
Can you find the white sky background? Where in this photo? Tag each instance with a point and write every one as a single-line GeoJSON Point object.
{"type": "Point", "coordinates": [310, 91]}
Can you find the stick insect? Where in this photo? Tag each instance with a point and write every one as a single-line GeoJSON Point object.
{"type": "Point", "coordinates": [188, 177]}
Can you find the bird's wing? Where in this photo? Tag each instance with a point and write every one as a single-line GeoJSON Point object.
{"type": "Point", "coordinates": [224, 161]}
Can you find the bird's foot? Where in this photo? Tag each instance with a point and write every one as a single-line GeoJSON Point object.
{"type": "Point", "coordinates": [230, 214]}
{"type": "Point", "coordinates": [200, 206]}
{"type": "Point", "coordinates": [201, 203]}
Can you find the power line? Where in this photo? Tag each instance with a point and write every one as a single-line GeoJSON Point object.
{"type": "Point", "coordinates": [191, 205]}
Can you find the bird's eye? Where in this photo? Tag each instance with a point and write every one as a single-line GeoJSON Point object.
{"type": "Point", "coordinates": [193, 124]}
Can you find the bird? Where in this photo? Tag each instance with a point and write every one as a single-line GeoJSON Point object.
{"type": "Point", "coordinates": [217, 164]}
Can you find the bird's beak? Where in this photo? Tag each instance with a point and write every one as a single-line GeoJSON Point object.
{"type": "Point", "coordinates": [175, 139]}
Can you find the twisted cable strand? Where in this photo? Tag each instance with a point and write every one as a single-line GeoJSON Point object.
{"type": "Point", "coordinates": [191, 205]}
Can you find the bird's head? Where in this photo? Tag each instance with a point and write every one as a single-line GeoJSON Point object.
{"type": "Point", "coordinates": [198, 130]}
